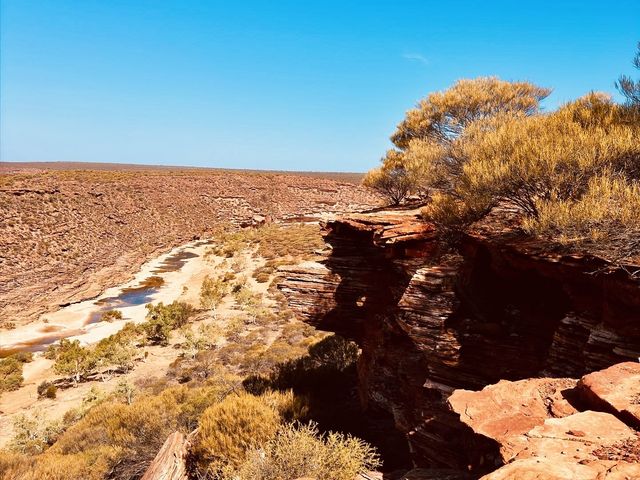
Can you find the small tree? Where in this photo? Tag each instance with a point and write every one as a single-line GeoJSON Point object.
{"type": "Point", "coordinates": [425, 157]}
{"type": "Point", "coordinates": [163, 319]}
{"type": "Point", "coordinates": [627, 86]}
{"type": "Point", "coordinates": [395, 182]}
{"type": "Point", "coordinates": [74, 360]}
{"type": "Point", "coordinates": [10, 374]}
{"type": "Point", "coordinates": [212, 292]}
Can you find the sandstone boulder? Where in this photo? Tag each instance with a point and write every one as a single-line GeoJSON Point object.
{"type": "Point", "coordinates": [616, 390]}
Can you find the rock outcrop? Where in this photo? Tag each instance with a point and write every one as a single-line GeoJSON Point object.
{"type": "Point", "coordinates": [538, 432]}
{"type": "Point", "coordinates": [429, 322]}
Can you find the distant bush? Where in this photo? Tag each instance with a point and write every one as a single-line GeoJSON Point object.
{"type": "Point", "coordinates": [111, 315]}
{"type": "Point", "coordinates": [212, 291]}
{"type": "Point", "coordinates": [163, 319]}
{"type": "Point", "coordinates": [47, 390]}
{"type": "Point", "coordinates": [10, 374]}
{"type": "Point", "coordinates": [23, 357]}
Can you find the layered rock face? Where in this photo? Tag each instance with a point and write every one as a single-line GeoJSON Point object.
{"type": "Point", "coordinates": [429, 323]}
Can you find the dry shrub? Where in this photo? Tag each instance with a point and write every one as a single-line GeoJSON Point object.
{"type": "Point", "coordinates": [229, 429]}
{"type": "Point", "coordinates": [300, 451]}
{"type": "Point", "coordinates": [131, 434]}
{"type": "Point", "coordinates": [606, 215]}
{"type": "Point", "coordinates": [94, 465]}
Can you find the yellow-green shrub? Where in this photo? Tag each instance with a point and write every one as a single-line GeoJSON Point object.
{"type": "Point", "coordinates": [300, 451]}
{"type": "Point", "coordinates": [93, 465]}
{"type": "Point", "coordinates": [212, 292]}
{"type": "Point", "coordinates": [229, 429]}
{"type": "Point", "coordinates": [529, 159]}
{"type": "Point", "coordinates": [606, 215]}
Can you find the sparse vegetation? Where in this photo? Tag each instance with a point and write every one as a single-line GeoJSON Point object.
{"type": "Point", "coordinates": [273, 242]}
{"type": "Point", "coordinates": [213, 291]}
{"type": "Point", "coordinates": [299, 451]}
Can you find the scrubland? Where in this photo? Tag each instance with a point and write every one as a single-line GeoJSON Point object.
{"type": "Point", "coordinates": [243, 374]}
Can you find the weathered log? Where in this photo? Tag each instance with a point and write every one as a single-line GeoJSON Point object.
{"type": "Point", "coordinates": [170, 462]}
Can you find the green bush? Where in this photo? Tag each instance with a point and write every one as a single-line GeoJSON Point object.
{"type": "Point", "coordinates": [47, 390]}
{"type": "Point", "coordinates": [212, 291]}
{"type": "Point", "coordinates": [10, 374]}
{"type": "Point", "coordinates": [73, 359]}
{"type": "Point", "coordinates": [163, 319]}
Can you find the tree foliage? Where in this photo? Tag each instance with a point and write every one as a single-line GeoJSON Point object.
{"type": "Point", "coordinates": [10, 374]}
{"type": "Point", "coordinates": [424, 157]}
{"type": "Point", "coordinates": [572, 173]}
{"type": "Point", "coordinates": [627, 86]}
{"type": "Point", "coordinates": [163, 319]}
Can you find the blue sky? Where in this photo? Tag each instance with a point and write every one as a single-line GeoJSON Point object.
{"type": "Point", "coordinates": [294, 85]}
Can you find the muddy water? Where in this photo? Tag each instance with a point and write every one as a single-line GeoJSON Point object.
{"type": "Point", "coordinates": [89, 312]}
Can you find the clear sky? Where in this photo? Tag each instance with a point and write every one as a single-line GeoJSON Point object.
{"type": "Point", "coordinates": [295, 85]}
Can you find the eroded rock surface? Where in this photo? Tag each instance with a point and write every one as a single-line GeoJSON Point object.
{"type": "Point", "coordinates": [615, 390]}
{"type": "Point", "coordinates": [430, 322]}
{"type": "Point", "coordinates": [539, 433]}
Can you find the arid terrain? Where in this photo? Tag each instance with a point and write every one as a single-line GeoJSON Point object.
{"type": "Point", "coordinates": [67, 234]}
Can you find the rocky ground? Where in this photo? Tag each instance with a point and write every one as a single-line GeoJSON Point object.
{"type": "Point", "coordinates": [66, 235]}
{"type": "Point", "coordinates": [560, 428]}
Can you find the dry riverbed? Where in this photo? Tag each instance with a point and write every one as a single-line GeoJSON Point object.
{"type": "Point", "coordinates": [182, 271]}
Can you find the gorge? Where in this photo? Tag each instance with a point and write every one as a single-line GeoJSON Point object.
{"type": "Point", "coordinates": [431, 322]}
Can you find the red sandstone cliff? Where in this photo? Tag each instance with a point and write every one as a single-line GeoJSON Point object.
{"type": "Point", "coordinates": [430, 323]}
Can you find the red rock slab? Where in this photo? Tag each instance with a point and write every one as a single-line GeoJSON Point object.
{"type": "Point", "coordinates": [506, 411]}
{"type": "Point", "coordinates": [577, 436]}
{"type": "Point", "coordinates": [571, 448]}
{"type": "Point", "coordinates": [616, 390]}
{"type": "Point", "coordinates": [547, 469]}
